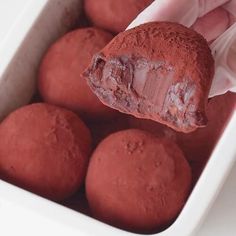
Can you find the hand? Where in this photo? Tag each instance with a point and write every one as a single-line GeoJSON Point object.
{"type": "Point", "coordinates": [211, 18]}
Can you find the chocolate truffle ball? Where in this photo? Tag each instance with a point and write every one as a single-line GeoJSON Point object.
{"type": "Point", "coordinates": [198, 145]}
{"type": "Point", "coordinates": [136, 181]}
{"type": "Point", "coordinates": [160, 71]}
{"type": "Point", "coordinates": [60, 81]}
{"type": "Point", "coordinates": [44, 149]}
{"type": "Point", "coordinates": [114, 15]}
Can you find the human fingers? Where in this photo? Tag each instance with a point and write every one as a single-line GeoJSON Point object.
{"type": "Point", "coordinates": [231, 7]}
{"type": "Point", "coordinates": [168, 10]}
{"type": "Point", "coordinates": [206, 6]}
{"type": "Point", "coordinates": [232, 19]}
{"type": "Point", "coordinates": [184, 11]}
{"type": "Point", "coordinates": [213, 24]}
{"type": "Point", "coordinates": [231, 57]}
{"type": "Point", "coordinates": [224, 52]}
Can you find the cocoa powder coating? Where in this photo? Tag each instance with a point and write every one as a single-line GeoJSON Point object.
{"type": "Point", "coordinates": [114, 15]}
{"type": "Point", "coordinates": [136, 181]}
{"type": "Point", "coordinates": [44, 149]}
{"type": "Point", "coordinates": [60, 81]}
{"type": "Point", "coordinates": [160, 71]}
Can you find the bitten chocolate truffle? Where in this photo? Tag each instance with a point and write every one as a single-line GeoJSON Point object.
{"type": "Point", "coordinates": [60, 81]}
{"type": "Point", "coordinates": [160, 71]}
{"type": "Point", "coordinates": [44, 149]}
{"type": "Point", "coordinates": [136, 181]}
{"type": "Point", "coordinates": [114, 15]}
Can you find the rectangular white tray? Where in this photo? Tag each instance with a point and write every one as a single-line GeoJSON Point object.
{"type": "Point", "coordinates": [39, 24]}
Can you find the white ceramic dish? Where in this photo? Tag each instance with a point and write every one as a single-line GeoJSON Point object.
{"type": "Point", "coordinates": [40, 23]}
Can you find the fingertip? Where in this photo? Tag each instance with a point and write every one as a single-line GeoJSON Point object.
{"type": "Point", "coordinates": [206, 6]}
{"type": "Point", "coordinates": [212, 24]}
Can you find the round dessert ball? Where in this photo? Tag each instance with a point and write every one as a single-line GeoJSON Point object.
{"type": "Point", "coordinates": [160, 71]}
{"type": "Point", "coordinates": [44, 149]}
{"type": "Point", "coordinates": [198, 145]}
{"type": "Point", "coordinates": [112, 15]}
{"type": "Point", "coordinates": [137, 181]}
{"type": "Point", "coordinates": [60, 78]}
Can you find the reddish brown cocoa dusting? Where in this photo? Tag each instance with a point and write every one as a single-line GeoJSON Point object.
{"type": "Point", "coordinates": [136, 181]}
{"type": "Point", "coordinates": [114, 15]}
{"type": "Point", "coordinates": [60, 81]}
{"type": "Point", "coordinates": [160, 71]}
{"type": "Point", "coordinates": [198, 145]}
{"type": "Point", "coordinates": [44, 149]}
